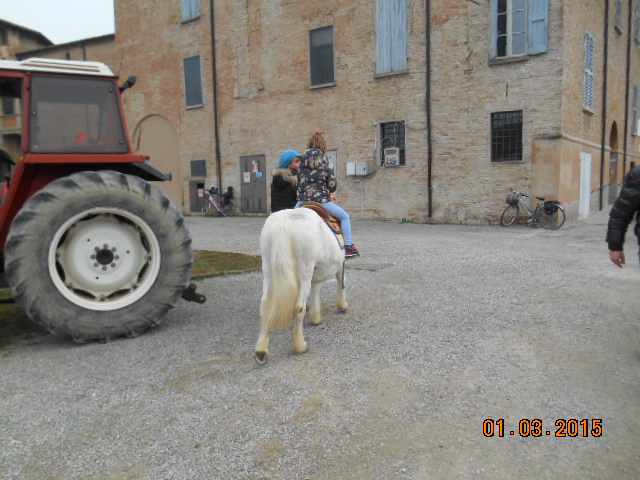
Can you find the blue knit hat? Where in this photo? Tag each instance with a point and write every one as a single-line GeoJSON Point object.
{"type": "Point", "coordinates": [287, 157]}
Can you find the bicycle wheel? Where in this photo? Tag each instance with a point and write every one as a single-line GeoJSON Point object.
{"type": "Point", "coordinates": [230, 210]}
{"type": "Point", "coordinates": [510, 215]}
{"type": "Point", "coordinates": [205, 207]}
{"type": "Point", "coordinates": [553, 221]}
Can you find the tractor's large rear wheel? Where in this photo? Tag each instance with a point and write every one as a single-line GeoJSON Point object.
{"type": "Point", "coordinates": [98, 255]}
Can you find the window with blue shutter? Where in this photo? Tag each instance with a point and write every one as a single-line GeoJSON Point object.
{"type": "Point", "coordinates": [321, 56]}
{"type": "Point", "coordinates": [192, 81]}
{"type": "Point", "coordinates": [618, 16]}
{"type": "Point", "coordinates": [190, 9]}
{"type": "Point", "coordinates": [634, 112]}
{"type": "Point", "coordinates": [589, 65]}
{"type": "Point", "coordinates": [637, 34]}
{"type": "Point", "coordinates": [391, 36]}
{"type": "Point", "coordinates": [519, 27]}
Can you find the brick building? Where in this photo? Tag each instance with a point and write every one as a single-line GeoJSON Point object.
{"type": "Point", "coordinates": [431, 109]}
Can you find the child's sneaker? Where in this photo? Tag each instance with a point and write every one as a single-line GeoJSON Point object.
{"type": "Point", "coordinates": [351, 251]}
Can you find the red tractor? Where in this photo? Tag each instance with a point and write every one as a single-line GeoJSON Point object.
{"type": "Point", "coordinates": [89, 247]}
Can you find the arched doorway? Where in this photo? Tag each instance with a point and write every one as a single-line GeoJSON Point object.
{"type": "Point", "coordinates": [155, 136]}
{"type": "Point", "coordinates": [613, 163]}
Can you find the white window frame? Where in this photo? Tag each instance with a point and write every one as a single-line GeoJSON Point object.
{"type": "Point", "coordinates": [510, 33]}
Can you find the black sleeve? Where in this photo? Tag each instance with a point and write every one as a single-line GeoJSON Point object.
{"type": "Point", "coordinates": [623, 210]}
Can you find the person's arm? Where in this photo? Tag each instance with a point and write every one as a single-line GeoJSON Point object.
{"type": "Point", "coordinates": [622, 212]}
{"type": "Point", "coordinates": [332, 181]}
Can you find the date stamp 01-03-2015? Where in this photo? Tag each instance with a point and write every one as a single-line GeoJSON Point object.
{"type": "Point", "coordinates": [535, 428]}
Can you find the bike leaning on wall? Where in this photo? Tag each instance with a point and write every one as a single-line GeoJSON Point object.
{"type": "Point", "coordinates": [224, 205]}
{"type": "Point", "coordinates": [548, 214]}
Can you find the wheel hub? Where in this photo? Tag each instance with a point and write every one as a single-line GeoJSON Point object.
{"type": "Point", "coordinates": [104, 256]}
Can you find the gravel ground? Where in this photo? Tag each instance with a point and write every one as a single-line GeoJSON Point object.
{"type": "Point", "coordinates": [448, 326]}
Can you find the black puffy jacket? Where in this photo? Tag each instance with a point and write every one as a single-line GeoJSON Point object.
{"type": "Point", "coordinates": [284, 188]}
{"type": "Point", "coordinates": [624, 208]}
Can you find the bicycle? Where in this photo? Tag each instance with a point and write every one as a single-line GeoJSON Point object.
{"type": "Point", "coordinates": [548, 213]}
{"type": "Point", "coordinates": [227, 209]}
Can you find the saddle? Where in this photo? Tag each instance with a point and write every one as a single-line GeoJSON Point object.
{"type": "Point", "coordinates": [332, 222]}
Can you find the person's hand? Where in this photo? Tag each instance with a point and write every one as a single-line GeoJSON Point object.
{"type": "Point", "coordinates": [332, 197]}
{"type": "Point", "coordinates": [617, 257]}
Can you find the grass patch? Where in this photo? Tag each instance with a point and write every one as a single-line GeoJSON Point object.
{"type": "Point", "coordinates": [15, 323]}
{"type": "Point", "coordinates": [209, 264]}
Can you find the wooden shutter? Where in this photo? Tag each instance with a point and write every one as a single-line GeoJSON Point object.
{"type": "Point", "coordinates": [190, 9]}
{"type": "Point", "coordinates": [391, 36]}
{"type": "Point", "coordinates": [634, 113]}
{"type": "Point", "coordinates": [192, 81]}
{"type": "Point", "coordinates": [637, 19]}
{"type": "Point", "coordinates": [538, 25]}
{"type": "Point", "coordinates": [589, 65]}
{"type": "Point", "coordinates": [493, 28]}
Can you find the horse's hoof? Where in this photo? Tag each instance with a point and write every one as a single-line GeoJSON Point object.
{"type": "Point", "coordinates": [342, 310]}
{"type": "Point", "coordinates": [315, 323]}
{"type": "Point", "coordinates": [261, 358]}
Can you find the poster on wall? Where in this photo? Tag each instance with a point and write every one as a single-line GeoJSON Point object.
{"type": "Point", "coordinates": [247, 177]}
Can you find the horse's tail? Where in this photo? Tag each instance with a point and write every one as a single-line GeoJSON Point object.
{"type": "Point", "coordinates": [279, 265]}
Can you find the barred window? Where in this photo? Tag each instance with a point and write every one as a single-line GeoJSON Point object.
{"type": "Point", "coordinates": [506, 136]}
{"type": "Point", "coordinates": [392, 136]}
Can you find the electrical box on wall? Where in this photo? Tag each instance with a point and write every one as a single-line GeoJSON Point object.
{"type": "Point", "coordinates": [357, 169]}
{"type": "Point", "coordinates": [391, 157]}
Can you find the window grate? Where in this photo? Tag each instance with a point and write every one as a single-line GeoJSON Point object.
{"type": "Point", "coordinates": [506, 136]}
{"type": "Point", "coordinates": [392, 135]}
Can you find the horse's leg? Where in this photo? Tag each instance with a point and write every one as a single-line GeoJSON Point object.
{"type": "Point", "coordinates": [315, 317]}
{"type": "Point", "coordinates": [297, 335]}
{"type": "Point", "coordinates": [262, 345]}
{"type": "Point", "coordinates": [342, 290]}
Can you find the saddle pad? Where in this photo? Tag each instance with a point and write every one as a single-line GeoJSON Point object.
{"type": "Point", "coordinates": [332, 222]}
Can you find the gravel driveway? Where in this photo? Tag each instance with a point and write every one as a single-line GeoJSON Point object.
{"type": "Point", "coordinates": [448, 326]}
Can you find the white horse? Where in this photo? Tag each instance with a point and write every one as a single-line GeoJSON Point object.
{"type": "Point", "coordinates": [299, 252]}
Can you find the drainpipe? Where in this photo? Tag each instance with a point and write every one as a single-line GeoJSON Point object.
{"type": "Point", "coordinates": [214, 75]}
{"type": "Point", "coordinates": [626, 94]}
{"type": "Point", "coordinates": [604, 97]}
{"type": "Point", "coordinates": [427, 12]}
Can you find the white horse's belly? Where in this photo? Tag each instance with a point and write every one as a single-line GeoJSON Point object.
{"type": "Point", "coordinates": [322, 273]}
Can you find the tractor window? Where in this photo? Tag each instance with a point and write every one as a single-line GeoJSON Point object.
{"type": "Point", "coordinates": [75, 115]}
{"type": "Point", "coordinates": [10, 128]}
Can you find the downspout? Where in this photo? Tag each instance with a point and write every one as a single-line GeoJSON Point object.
{"type": "Point", "coordinates": [604, 97]}
{"type": "Point", "coordinates": [214, 76]}
{"type": "Point", "coordinates": [427, 12]}
{"type": "Point", "coordinates": [626, 94]}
